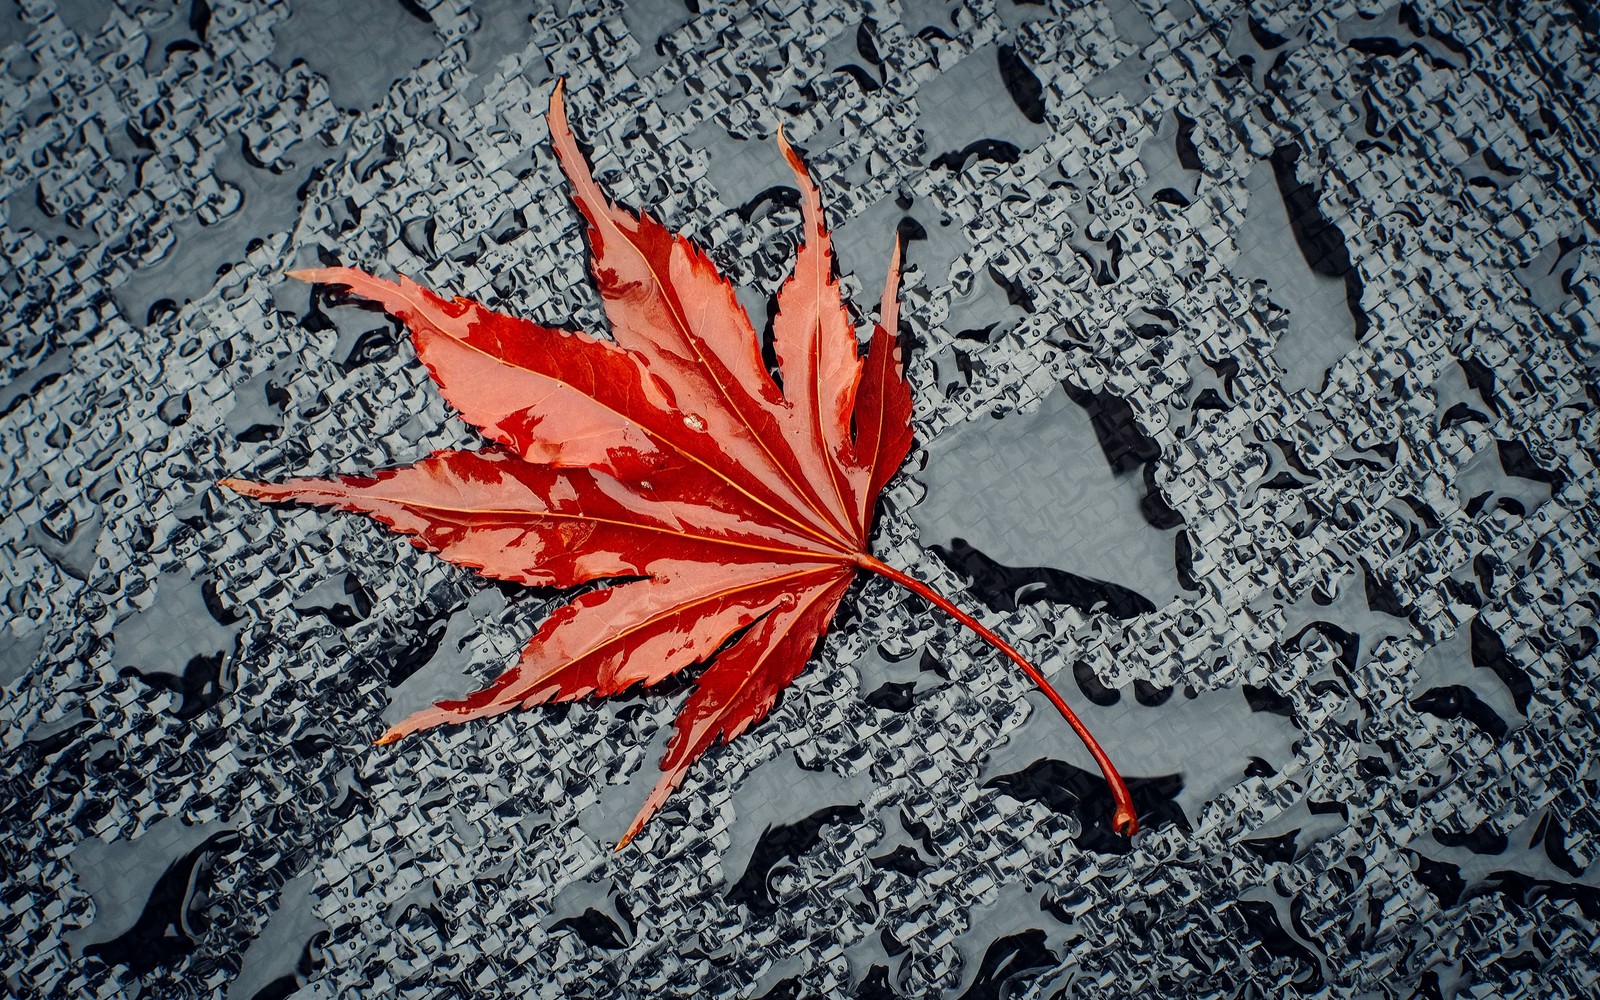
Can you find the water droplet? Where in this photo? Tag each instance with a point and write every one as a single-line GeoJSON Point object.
{"type": "Point", "coordinates": [693, 422]}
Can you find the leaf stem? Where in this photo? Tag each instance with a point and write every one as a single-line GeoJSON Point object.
{"type": "Point", "coordinates": [1126, 819]}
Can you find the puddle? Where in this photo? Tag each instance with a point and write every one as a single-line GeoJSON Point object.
{"type": "Point", "coordinates": [591, 909]}
{"type": "Point", "coordinates": [273, 962]}
{"type": "Point", "coordinates": [1177, 754]}
{"type": "Point", "coordinates": [1128, 77]}
{"type": "Point", "coordinates": [19, 653]}
{"type": "Point", "coordinates": [150, 893]}
{"type": "Point", "coordinates": [435, 664]}
{"type": "Point", "coordinates": [970, 102]}
{"type": "Point", "coordinates": [84, 18]}
{"type": "Point", "coordinates": [1035, 489]}
{"type": "Point", "coordinates": [1318, 329]}
{"type": "Point", "coordinates": [1011, 942]}
{"type": "Point", "coordinates": [1396, 31]}
{"type": "Point", "coordinates": [337, 40]}
{"type": "Point", "coordinates": [1550, 275]}
{"type": "Point", "coordinates": [781, 812]}
{"type": "Point", "coordinates": [1290, 835]}
{"type": "Point", "coordinates": [931, 245]}
{"type": "Point", "coordinates": [1171, 163]}
{"type": "Point", "coordinates": [186, 643]}
{"type": "Point", "coordinates": [1484, 483]}
{"type": "Point", "coordinates": [648, 22]}
{"type": "Point", "coordinates": [258, 202]}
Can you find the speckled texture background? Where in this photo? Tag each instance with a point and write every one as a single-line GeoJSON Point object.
{"type": "Point", "coordinates": [1255, 357]}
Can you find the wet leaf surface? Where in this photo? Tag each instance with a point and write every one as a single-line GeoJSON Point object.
{"type": "Point", "coordinates": [721, 516]}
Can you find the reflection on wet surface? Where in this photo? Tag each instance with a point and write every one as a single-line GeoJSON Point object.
{"type": "Point", "coordinates": [1037, 489]}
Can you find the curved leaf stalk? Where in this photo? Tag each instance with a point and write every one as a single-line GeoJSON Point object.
{"type": "Point", "coordinates": [1125, 820]}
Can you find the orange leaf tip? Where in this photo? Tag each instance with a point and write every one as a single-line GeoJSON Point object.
{"type": "Point", "coordinates": [558, 103]}
{"type": "Point", "coordinates": [788, 151]}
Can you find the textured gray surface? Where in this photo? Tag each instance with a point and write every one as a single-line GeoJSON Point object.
{"type": "Point", "coordinates": [1281, 319]}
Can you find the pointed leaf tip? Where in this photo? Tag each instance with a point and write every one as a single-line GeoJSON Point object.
{"type": "Point", "coordinates": [348, 277]}
{"type": "Point", "coordinates": [788, 151]}
{"type": "Point", "coordinates": [243, 487]}
{"type": "Point", "coordinates": [557, 111]}
{"type": "Point", "coordinates": [352, 278]}
{"type": "Point", "coordinates": [652, 804]}
{"type": "Point", "coordinates": [889, 307]}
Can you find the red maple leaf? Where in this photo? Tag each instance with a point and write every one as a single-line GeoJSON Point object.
{"type": "Point", "coordinates": [667, 461]}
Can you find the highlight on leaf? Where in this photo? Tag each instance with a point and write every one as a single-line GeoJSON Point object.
{"type": "Point", "coordinates": [729, 515]}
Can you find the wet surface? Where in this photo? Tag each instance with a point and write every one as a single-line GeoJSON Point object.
{"type": "Point", "coordinates": [281, 958]}
{"type": "Point", "coordinates": [1040, 490]}
{"type": "Point", "coordinates": [1316, 328]}
{"type": "Point", "coordinates": [150, 894]}
{"type": "Point", "coordinates": [1254, 354]}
